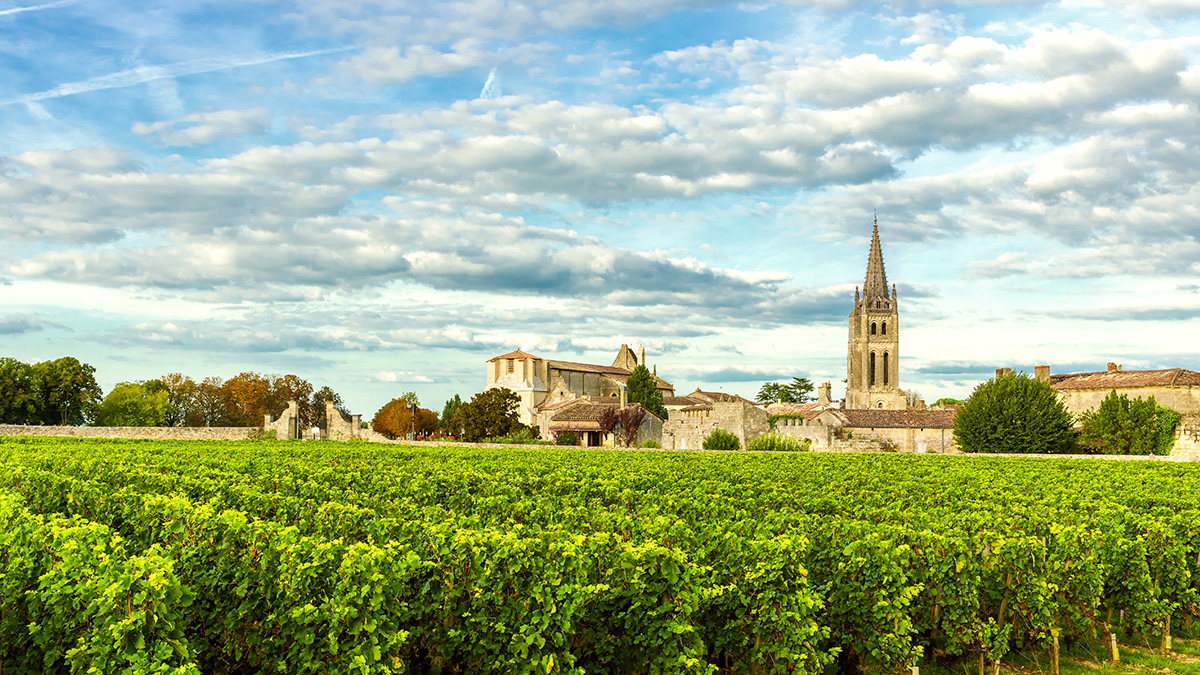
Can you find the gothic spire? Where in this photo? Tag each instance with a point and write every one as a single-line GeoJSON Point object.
{"type": "Point", "coordinates": [876, 285]}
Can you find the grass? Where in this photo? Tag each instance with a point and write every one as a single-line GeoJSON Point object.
{"type": "Point", "coordinates": [1091, 659]}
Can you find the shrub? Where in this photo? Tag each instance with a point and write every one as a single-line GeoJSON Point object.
{"type": "Point", "coordinates": [1013, 413]}
{"type": "Point", "coordinates": [720, 439]}
{"type": "Point", "coordinates": [522, 435]}
{"type": "Point", "coordinates": [1121, 426]}
{"type": "Point", "coordinates": [651, 443]}
{"type": "Point", "coordinates": [567, 438]}
{"type": "Point", "coordinates": [779, 443]}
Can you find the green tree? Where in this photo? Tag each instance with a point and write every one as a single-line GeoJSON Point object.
{"type": "Point", "coordinates": [19, 399]}
{"type": "Point", "coordinates": [799, 390]}
{"type": "Point", "coordinates": [214, 403]}
{"type": "Point", "coordinates": [1124, 426]}
{"type": "Point", "coordinates": [448, 412]}
{"type": "Point", "coordinates": [411, 397]}
{"type": "Point", "coordinates": [1013, 413]}
{"type": "Point", "coordinates": [181, 393]}
{"type": "Point", "coordinates": [643, 389]}
{"type": "Point", "coordinates": [134, 404]}
{"type": "Point", "coordinates": [490, 414]}
{"type": "Point", "coordinates": [948, 401]}
{"type": "Point", "coordinates": [317, 407]}
{"type": "Point", "coordinates": [67, 391]}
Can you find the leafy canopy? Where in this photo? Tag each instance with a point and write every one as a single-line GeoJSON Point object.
{"type": "Point", "coordinates": [643, 389]}
{"type": "Point", "coordinates": [799, 390]}
{"type": "Point", "coordinates": [490, 414]}
{"type": "Point", "coordinates": [1013, 413]}
{"type": "Point", "coordinates": [134, 404]}
{"type": "Point", "coordinates": [1121, 426]}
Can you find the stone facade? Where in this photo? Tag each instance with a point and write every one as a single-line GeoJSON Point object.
{"type": "Point", "coordinates": [693, 417]}
{"type": "Point", "coordinates": [159, 433]}
{"type": "Point", "coordinates": [918, 431]}
{"type": "Point", "coordinates": [873, 348]}
{"type": "Point", "coordinates": [287, 425]}
{"type": "Point", "coordinates": [539, 382]}
{"type": "Point", "coordinates": [337, 427]}
{"type": "Point", "coordinates": [1175, 388]}
{"type": "Point", "coordinates": [1187, 437]}
{"type": "Point", "coordinates": [582, 417]}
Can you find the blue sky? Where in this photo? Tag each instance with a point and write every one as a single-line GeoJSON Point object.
{"type": "Point", "coordinates": [381, 196]}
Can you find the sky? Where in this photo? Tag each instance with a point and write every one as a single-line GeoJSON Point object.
{"type": "Point", "coordinates": [381, 196]}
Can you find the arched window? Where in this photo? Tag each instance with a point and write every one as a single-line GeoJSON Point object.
{"type": "Point", "coordinates": [885, 369]}
{"type": "Point", "coordinates": [881, 404]}
{"type": "Point", "coordinates": [871, 371]}
{"type": "Point", "coordinates": [872, 328]}
{"type": "Point", "coordinates": [883, 328]}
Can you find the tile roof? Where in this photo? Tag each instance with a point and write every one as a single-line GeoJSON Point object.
{"type": "Point", "coordinates": [795, 408]}
{"type": "Point", "coordinates": [1127, 379]}
{"type": "Point", "coordinates": [679, 401]}
{"type": "Point", "coordinates": [583, 411]}
{"type": "Point", "coordinates": [896, 419]}
{"type": "Point", "coordinates": [614, 372]}
{"type": "Point", "coordinates": [514, 355]}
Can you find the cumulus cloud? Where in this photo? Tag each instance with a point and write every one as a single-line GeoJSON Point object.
{"type": "Point", "coordinates": [18, 324]}
{"type": "Point", "coordinates": [208, 127]}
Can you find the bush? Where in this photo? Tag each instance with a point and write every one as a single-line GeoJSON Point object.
{"type": "Point", "coordinates": [779, 443]}
{"type": "Point", "coordinates": [720, 439]}
{"type": "Point", "coordinates": [1013, 413]}
{"type": "Point", "coordinates": [567, 438]}
{"type": "Point", "coordinates": [1121, 426]}
{"type": "Point", "coordinates": [522, 435]}
{"type": "Point", "coordinates": [651, 443]}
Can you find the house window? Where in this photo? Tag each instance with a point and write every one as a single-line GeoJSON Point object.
{"type": "Point", "coordinates": [511, 365]}
{"type": "Point", "coordinates": [871, 371]}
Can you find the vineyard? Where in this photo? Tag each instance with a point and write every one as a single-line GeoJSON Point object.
{"type": "Point", "coordinates": [244, 557]}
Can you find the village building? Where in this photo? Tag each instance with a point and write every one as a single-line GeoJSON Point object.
{"type": "Point", "coordinates": [544, 386]}
{"type": "Point", "coordinates": [1175, 388]}
{"type": "Point", "coordinates": [693, 417]}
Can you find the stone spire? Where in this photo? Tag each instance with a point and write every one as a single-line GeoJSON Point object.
{"type": "Point", "coordinates": [875, 285]}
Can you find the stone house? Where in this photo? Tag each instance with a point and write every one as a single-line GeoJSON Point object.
{"type": "Point", "coordinates": [581, 416]}
{"type": "Point", "coordinates": [930, 430]}
{"type": "Point", "coordinates": [1175, 388]}
{"type": "Point", "coordinates": [693, 417]}
{"type": "Point", "coordinates": [542, 382]}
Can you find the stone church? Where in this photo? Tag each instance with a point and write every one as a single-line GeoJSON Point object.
{"type": "Point", "coordinates": [873, 350]}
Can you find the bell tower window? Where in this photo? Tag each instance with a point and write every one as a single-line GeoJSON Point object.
{"type": "Point", "coordinates": [885, 369]}
{"type": "Point", "coordinates": [883, 328]}
{"type": "Point", "coordinates": [872, 328]}
{"type": "Point", "coordinates": [871, 371]}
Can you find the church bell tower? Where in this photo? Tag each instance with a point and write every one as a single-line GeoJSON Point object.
{"type": "Point", "coordinates": [873, 350]}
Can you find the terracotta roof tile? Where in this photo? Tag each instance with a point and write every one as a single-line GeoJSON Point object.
{"type": "Point", "coordinates": [583, 411]}
{"type": "Point", "coordinates": [896, 419]}
{"type": "Point", "coordinates": [1127, 379]}
{"type": "Point", "coordinates": [679, 400]}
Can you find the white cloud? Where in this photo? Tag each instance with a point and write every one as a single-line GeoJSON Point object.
{"type": "Point", "coordinates": [208, 127]}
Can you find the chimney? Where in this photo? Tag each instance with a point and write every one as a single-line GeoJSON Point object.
{"type": "Point", "coordinates": [641, 355]}
{"type": "Point", "coordinates": [1042, 373]}
{"type": "Point", "coordinates": [823, 393]}
{"type": "Point", "coordinates": [1112, 367]}
{"type": "Point", "coordinates": [1003, 372]}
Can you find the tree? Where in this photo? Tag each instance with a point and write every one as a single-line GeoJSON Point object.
{"type": "Point", "coordinates": [912, 397]}
{"type": "Point", "coordinates": [643, 389]}
{"type": "Point", "coordinates": [427, 422]}
{"type": "Point", "coordinates": [800, 389]}
{"type": "Point", "coordinates": [1121, 426]}
{"type": "Point", "coordinates": [1013, 413]}
{"type": "Point", "coordinates": [948, 401]}
{"type": "Point", "coordinates": [214, 406]}
{"type": "Point", "coordinates": [134, 404]}
{"type": "Point", "coordinates": [448, 412]}
{"type": "Point", "coordinates": [292, 388]}
{"type": "Point", "coordinates": [317, 407]}
{"type": "Point", "coordinates": [490, 414]}
{"type": "Point", "coordinates": [608, 420]}
{"type": "Point", "coordinates": [67, 391]}
{"type": "Point", "coordinates": [630, 419]}
{"type": "Point", "coordinates": [720, 439]}
{"type": "Point", "coordinates": [249, 398]}
{"type": "Point", "coordinates": [411, 397]}
{"type": "Point", "coordinates": [181, 394]}
{"type": "Point", "coordinates": [395, 419]}
{"type": "Point", "coordinates": [19, 398]}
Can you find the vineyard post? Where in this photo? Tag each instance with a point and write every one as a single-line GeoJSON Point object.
{"type": "Point", "coordinates": [1166, 635]}
{"type": "Point", "coordinates": [1054, 653]}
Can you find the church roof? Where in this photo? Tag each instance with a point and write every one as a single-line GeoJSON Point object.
{"type": "Point", "coordinates": [1126, 379]}
{"type": "Point", "coordinates": [875, 285]}
{"type": "Point", "coordinates": [895, 419]}
{"type": "Point", "coordinates": [583, 411]}
{"type": "Point", "coordinates": [614, 372]}
{"type": "Point", "coordinates": [514, 355]}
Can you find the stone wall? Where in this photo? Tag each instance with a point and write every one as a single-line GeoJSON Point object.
{"type": "Point", "coordinates": [337, 427]}
{"type": "Point", "coordinates": [686, 430]}
{"type": "Point", "coordinates": [934, 441]}
{"type": "Point", "coordinates": [1185, 399]}
{"type": "Point", "coordinates": [1187, 437]}
{"type": "Point", "coordinates": [819, 435]}
{"type": "Point", "coordinates": [161, 433]}
{"type": "Point", "coordinates": [287, 427]}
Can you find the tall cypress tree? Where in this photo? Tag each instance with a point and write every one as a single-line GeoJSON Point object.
{"type": "Point", "coordinates": [644, 390]}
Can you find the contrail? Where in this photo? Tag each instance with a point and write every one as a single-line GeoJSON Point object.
{"type": "Point", "coordinates": [143, 74]}
{"type": "Point", "coordinates": [34, 8]}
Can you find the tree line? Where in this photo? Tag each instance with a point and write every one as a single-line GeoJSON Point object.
{"type": "Point", "coordinates": [64, 392]}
